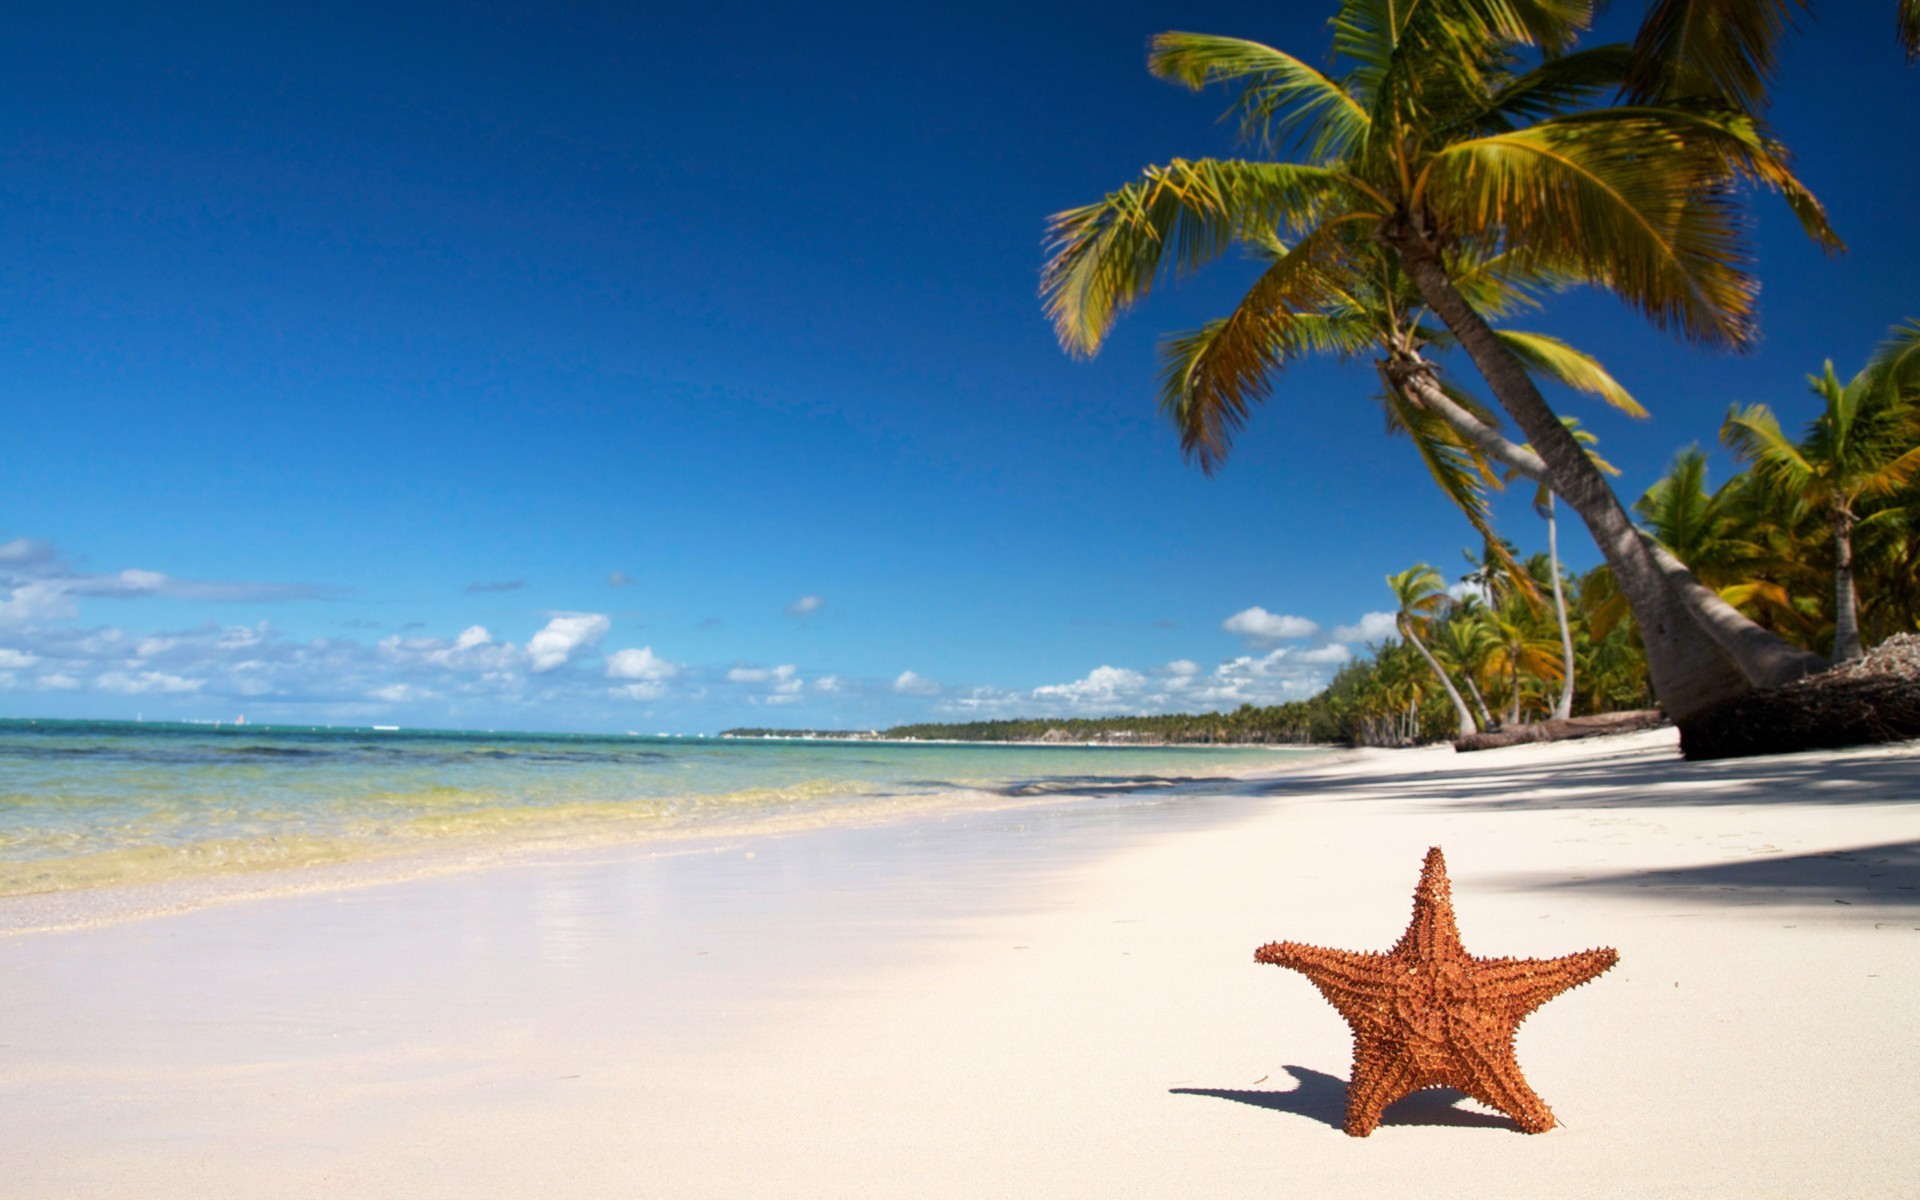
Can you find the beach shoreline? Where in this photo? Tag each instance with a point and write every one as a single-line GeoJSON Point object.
{"type": "Point", "coordinates": [59, 910]}
{"type": "Point", "coordinates": [1053, 999]}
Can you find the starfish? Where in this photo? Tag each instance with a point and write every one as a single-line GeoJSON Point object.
{"type": "Point", "coordinates": [1428, 1014]}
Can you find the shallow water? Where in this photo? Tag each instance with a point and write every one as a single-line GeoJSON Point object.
{"type": "Point", "coordinates": [85, 803]}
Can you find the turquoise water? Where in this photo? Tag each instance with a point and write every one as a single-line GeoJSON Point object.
{"type": "Point", "coordinates": [92, 803]}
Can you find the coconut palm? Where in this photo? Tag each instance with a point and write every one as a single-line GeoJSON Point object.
{"type": "Point", "coordinates": [1464, 641]}
{"type": "Point", "coordinates": [1739, 539]}
{"type": "Point", "coordinates": [1862, 446]}
{"type": "Point", "coordinates": [1422, 596]}
{"type": "Point", "coordinates": [1434, 155]}
{"type": "Point", "coordinates": [1543, 504]}
{"type": "Point", "coordinates": [1521, 649]}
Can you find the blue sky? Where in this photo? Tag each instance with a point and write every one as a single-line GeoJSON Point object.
{"type": "Point", "coordinates": [591, 367]}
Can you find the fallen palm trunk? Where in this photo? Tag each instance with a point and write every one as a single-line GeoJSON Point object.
{"type": "Point", "coordinates": [1564, 730]}
{"type": "Point", "coordinates": [1868, 701]}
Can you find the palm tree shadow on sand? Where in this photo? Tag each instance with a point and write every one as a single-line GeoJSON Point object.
{"type": "Point", "coordinates": [1322, 1097]}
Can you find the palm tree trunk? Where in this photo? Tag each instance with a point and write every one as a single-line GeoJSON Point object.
{"type": "Point", "coordinates": [1766, 659]}
{"type": "Point", "coordinates": [1563, 707]}
{"type": "Point", "coordinates": [1846, 613]}
{"type": "Point", "coordinates": [1467, 727]}
{"type": "Point", "coordinates": [1479, 701]}
{"type": "Point", "coordinates": [1690, 671]}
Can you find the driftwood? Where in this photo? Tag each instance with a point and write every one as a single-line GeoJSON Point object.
{"type": "Point", "coordinates": [1567, 730]}
{"type": "Point", "coordinates": [1871, 700]}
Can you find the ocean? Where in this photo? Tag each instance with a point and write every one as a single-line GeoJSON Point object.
{"type": "Point", "coordinates": [97, 803]}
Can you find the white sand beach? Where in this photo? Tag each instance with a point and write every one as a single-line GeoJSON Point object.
{"type": "Point", "coordinates": [1055, 1001]}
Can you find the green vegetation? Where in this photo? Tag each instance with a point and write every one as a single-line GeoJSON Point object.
{"type": "Point", "coordinates": [1299, 722]}
{"type": "Point", "coordinates": [1458, 160]}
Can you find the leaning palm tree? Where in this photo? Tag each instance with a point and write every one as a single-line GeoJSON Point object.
{"type": "Point", "coordinates": [1864, 444]}
{"type": "Point", "coordinates": [1422, 596]}
{"type": "Point", "coordinates": [1434, 155]}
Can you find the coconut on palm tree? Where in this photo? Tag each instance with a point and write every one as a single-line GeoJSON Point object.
{"type": "Point", "coordinates": [1435, 153]}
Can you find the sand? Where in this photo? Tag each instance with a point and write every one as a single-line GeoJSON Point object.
{"type": "Point", "coordinates": [1059, 1001]}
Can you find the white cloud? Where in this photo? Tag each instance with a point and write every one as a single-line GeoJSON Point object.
{"type": "Point", "coordinates": [1332, 652]}
{"type": "Point", "coordinates": [1256, 624]}
{"type": "Point", "coordinates": [1477, 591]}
{"type": "Point", "coordinates": [641, 664]}
{"type": "Point", "coordinates": [782, 673]}
{"type": "Point", "coordinates": [805, 606]}
{"type": "Point", "coordinates": [563, 637]}
{"type": "Point", "coordinates": [15, 659]}
{"type": "Point", "coordinates": [912, 684]}
{"type": "Point", "coordinates": [25, 551]}
{"type": "Point", "coordinates": [36, 586]}
{"type": "Point", "coordinates": [619, 579]}
{"type": "Point", "coordinates": [400, 693]}
{"type": "Point", "coordinates": [830, 684]}
{"type": "Point", "coordinates": [144, 682]}
{"type": "Point", "coordinates": [1374, 627]}
{"type": "Point", "coordinates": [1103, 686]}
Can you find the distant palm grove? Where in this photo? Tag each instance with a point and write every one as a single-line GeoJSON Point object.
{"type": "Point", "coordinates": [1455, 164]}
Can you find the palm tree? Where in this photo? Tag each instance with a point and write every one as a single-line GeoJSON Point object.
{"type": "Point", "coordinates": [1738, 539]}
{"type": "Point", "coordinates": [1434, 157]}
{"type": "Point", "coordinates": [1422, 595]}
{"type": "Point", "coordinates": [1543, 504]}
{"type": "Point", "coordinates": [1519, 649]}
{"type": "Point", "coordinates": [1863, 445]}
{"type": "Point", "coordinates": [1464, 640]}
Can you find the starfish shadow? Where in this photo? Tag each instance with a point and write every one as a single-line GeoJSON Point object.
{"type": "Point", "coordinates": [1323, 1098]}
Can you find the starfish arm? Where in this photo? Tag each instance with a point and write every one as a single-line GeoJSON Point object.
{"type": "Point", "coordinates": [1359, 986]}
{"type": "Point", "coordinates": [1379, 1078]}
{"type": "Point", "coordinates": [1517, 986]}
{"type": "Point", "coordinates": [1492, 1076]}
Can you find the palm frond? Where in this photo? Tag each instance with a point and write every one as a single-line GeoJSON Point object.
{"type": "Point", "coordinates": [1718, 51]}
{"type": "Point", "coordinates": [1283, 99]}
{"type": "Point", "coordinates": [1211, 378]}
{"type": "Point", "coordinates": [1107, 255]}
{"type": "Point", "coordinates": [1462, 474]}
{"type": "Point", "coordinates": [1619, 202]}
{"type": "Point", "coordinates": [1558, 85]}
{"type": "Point", "coordinates": [1897, 360]}
{"type": "Point", "coordinates": [1754, 435]}
{"type": "Point", "coordinates": [1499, 285]}
{"type": "Point", "coordinates": [1553, 358]}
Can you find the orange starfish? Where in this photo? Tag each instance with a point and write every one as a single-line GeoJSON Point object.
{"type": "Point", "coordinates": [1428, 1014]}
